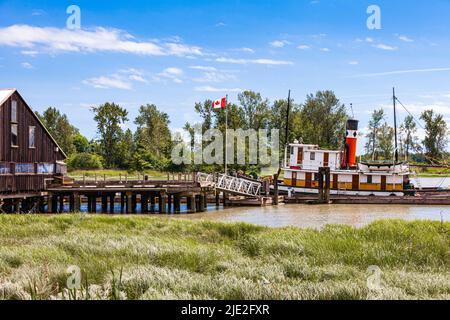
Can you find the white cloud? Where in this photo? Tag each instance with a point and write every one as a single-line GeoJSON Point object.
{"type": "Point", "coordinates": [27, 65]}
{"type": "Point", "coordinates": [214, 89]}
{"type": "Point", "coordinates": [369, 40]}
{"type": "Point", "coordinates": [37, 12]}
{"type": "Point", "coordinates": [58, 40]}
{"type": "Point", "coordinates": [31, 53]}
{"type": "Point", "coordinates": [386, 47]}
{"type": "Point", "coordinates": [279, 43]}
{"type": "Point", "coordinates": [122, 80]}
{"type": "Point", "coordinates": [221, 24]}
{"type": "Point", "coordinates": [405, 39]}
{"type": "Point", "coordinates": [171, 73]}
{"type": "Point", "coordinates": [247, 50]}
{"type": "Point", "coordinates": [254, 61]}
{"type": "Point", "coordinates": [303, 47]}
{"type": "Point", "coordinates": [353, 63]}
{"type": "Point", "coordinates": [109, 82]}
{"type": "Point", "coordinates": [203, 68]}
{"type": "Point", "coordinates": [325, 50]}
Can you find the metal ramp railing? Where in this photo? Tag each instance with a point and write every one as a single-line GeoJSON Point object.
{"type": "Point", "coordinates": [230, 184]}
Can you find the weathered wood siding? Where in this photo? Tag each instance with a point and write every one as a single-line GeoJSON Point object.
{"type": "Point", "coordinates": [45, 151]}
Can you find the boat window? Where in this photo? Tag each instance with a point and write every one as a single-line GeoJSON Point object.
{"type": "Point", "coordinates": [312, 156]}
{"type": "Point", "coordinates": [369, 179]}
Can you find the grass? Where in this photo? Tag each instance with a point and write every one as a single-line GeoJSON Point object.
{"type": "Point", "coordinates": [142, 257]}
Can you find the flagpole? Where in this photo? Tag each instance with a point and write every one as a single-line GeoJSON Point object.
{"type": "Point", "coordinates": [226, 134]}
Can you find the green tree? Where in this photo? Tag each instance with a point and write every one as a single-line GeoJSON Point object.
{"type": "Point", "coordinates": [372, 144]}
{"type": "Point", "coordinates": [81, 143]}
{"type": "Point", "coordinates": [323, 120]}
{"type": "Point", "coordinates": [153, 132]}
{"type": "Point", "coordinates": [109, 118]}
{"type": "Point", "coordinates": [436, 135]}
{"type": "Point", "coordinates": [205, 111]}
{"type": "Point", "coordinates": [385, 138]}
{"type": "Point", "coordinates": [410, 140]}
{"type": "Point", "coordinates": [60, 128]}
{"type": "Point", "coordinates": [256, 110]}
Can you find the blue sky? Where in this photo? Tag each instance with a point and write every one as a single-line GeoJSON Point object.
{"type": "Point", "coordinates": [174, 53]}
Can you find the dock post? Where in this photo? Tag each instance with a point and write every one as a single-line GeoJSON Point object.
{"type": "Point", "coordinates": [204, 202]}
{"type": "Point", "coordinates": [61, 203]}
{"type": "Point", "coordinates": [177, 204]}
{"type": "Point", "coordinates": [129, 202]}
{"type": "Point", "coordinates": [193, 204]}
{"type": "Point", "coordinates": [162, 203]}
{"type": "Point", "coordinates": [217, 199]}
{"type": "Point", "coordinates": [89, 203]}
{"type": "Point", "coordinates": [112, 201]}
{"type": "Point", "coordinates": [94, 203]}
{"type": "Point", "coordinates": [17, 205]}
{"type": "Point", "coordinates": [77, 202]}
{"type": "Point", "coordinates": [49, 203]}
{"type": "Point", "coordinates": [152, 203]}
{"type": "Point", "coordinates": [104, 204]}
{"type": "Point", "coordinates": [72, 203]}
{"type": "Point", "coordinates": [134, 203]}
{"type": "Point", "coordinates": [122, 202]}
{"type": "Point", "coordinates": [144, 203]}
{"type": "Point", "coordinates": [169, 203]}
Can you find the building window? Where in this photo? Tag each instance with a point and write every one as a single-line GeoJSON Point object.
{"type": "Point", "coordinates": [312, 156]}
{"type": "Point", "coordinates": [14, 135]}
{"type": "Point", "coordinates": [24, 168]}
{"type": "Point", "coordinates": [369, 179]}
{"type": "Point", "coordinates": [46, 168]}
{"type": "Point", "coordinates": [14, 111]}
{"type": "Point", "coordinates": [31, 137]}
{"type": "Point", "coordinates": [4, 168]}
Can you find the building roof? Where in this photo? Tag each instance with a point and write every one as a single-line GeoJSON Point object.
{"type": "Point", "coordinates": [5, 94]}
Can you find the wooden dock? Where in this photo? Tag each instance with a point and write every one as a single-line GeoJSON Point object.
{"type": "Point", "coordinates": [442, 199]}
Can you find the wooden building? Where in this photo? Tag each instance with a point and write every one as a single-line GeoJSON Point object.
{"type": "Point", "coordinates": [29, 156]}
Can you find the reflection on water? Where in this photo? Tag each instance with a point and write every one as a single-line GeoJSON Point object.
{"type": "Point", "coordinates": [317, 216]}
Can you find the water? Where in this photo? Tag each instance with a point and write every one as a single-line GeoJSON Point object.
{"type": "Point", "coordinates": [318, 216]}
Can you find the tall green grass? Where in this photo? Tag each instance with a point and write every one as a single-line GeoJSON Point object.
{"type": "Point", "coordinates": [132, 257]}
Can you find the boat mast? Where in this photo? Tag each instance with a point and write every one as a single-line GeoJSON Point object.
{"type": "Point", "coordinates": [395, 124]}
{"type": "Point", "coordinates": [286, 132]}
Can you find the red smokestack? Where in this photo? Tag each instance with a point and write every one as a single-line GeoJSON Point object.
{"type": "Point", "coordinates": [351, 141]}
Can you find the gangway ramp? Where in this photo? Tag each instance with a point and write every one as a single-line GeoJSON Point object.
{"type": "Point", "coordinates": [230, 184]}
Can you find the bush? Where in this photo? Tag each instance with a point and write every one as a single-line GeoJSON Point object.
{"type": "Point", "coordinates": [85, 161]}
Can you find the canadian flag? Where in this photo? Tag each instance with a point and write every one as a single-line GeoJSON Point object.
{"type": "Point", "coordinates": [219, 104]}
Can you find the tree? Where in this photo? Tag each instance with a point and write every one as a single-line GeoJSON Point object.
{"type": "Point", "coordinates": [385, 139]}
{"type": "Point", "coordinates": [256, 110]}
{"type": "Point", "coordinates": [206, 113]}
{"type": "Point", "coordinates": [81, 143]}
{"type": "Point", "coordinates": [153, 132]}
{"type": "Point", "coordinates": [59, 127]}
{"type": "Point", "coordinates": [372, 144]}
{"type": "Point", "coordinates": [410, 141]}
{"type": "Point", "coordinates": [436, 135]}
{"type": "Point", "coordinates": [323, 120]}
{"type": "Point", "coordinates": [109, 118]}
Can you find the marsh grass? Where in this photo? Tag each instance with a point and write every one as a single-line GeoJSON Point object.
{"type": "Point", "coordinates": [131, 257]}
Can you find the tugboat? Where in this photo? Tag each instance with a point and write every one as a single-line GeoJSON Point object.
{"type": "Point", "coordinates": [347, 176]}
{"type": "Point", "coordinates": [375, 178]}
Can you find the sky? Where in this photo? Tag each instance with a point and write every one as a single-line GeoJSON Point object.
{"type": "Point", "coordinates": [175, 53]}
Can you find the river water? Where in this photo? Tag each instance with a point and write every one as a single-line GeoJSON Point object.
{"type": "Point", "coordinates": [318, 216]}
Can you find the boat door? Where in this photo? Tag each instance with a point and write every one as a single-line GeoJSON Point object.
{"type": "Point", "coordinates": [294, 179]}
{"type": "Point", "coordinates": [300, 157]}
{"type": "Point", "coordinates": [383, 183]}
{"type": "Point", "coordinates": [355, 182]}
{"type": "Point", "coordinates": [335, 181]}
{"type": "Point", "coordinates": [308, 179]}
{"type": "Point", "coordinates": [326, 159]}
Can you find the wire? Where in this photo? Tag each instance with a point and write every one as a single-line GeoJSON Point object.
{"type": "Point", "coordinates": [415, 119]}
